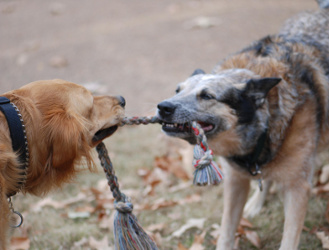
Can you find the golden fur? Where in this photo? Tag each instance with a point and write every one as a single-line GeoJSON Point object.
{"type": "Point", "coordinates": [61, 120]}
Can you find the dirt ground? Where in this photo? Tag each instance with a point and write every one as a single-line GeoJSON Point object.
{"type": "Point", "coordinates": [139, 49]}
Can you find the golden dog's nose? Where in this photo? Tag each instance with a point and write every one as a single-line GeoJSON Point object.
{"type": "Point", "coordinates": [122, 101]}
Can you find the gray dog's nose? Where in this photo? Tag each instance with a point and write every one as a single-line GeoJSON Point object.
{"type": "Point", "coordinates": [166, 108]}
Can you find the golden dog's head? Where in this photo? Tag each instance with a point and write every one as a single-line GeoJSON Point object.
{"type": "Point", "coordinates": [64, 121]}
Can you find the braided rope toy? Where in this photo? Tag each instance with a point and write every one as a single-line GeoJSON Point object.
{"type": "Point", "coordinates": [128, 233]}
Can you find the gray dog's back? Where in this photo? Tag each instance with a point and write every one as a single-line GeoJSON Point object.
{"type": "Point", "coordinates": [310, 27]}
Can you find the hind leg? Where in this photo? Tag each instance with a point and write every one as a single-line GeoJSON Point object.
{"type": "Point", "coordinates": [257, 200]}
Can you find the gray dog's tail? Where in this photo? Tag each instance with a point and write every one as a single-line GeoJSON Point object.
{"type": "Point", "coordinates": [324, 4]}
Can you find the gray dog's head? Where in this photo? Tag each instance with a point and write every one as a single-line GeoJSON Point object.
{"type": "Point", "coordinates": [218, 102]}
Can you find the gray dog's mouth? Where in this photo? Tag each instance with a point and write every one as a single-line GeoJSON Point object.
{"type": "Point", "coordinates": [185, 128]}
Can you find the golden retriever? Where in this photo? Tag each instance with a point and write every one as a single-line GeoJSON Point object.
{"type": "Point", "coordinates": [63, 122]}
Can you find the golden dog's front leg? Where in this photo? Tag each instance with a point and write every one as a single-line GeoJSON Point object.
{"type": "Point", "coordinates": [295, 206]}
{"type": "Point", "coordinates": [236, 188]}
{"type": "Point", "coordinates": [4, 217]}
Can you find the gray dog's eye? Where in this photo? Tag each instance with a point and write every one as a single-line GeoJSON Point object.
{"type": "Point", "coordinates": [177, 90]}
{"type": "Point", "coordinates": [206, 96]}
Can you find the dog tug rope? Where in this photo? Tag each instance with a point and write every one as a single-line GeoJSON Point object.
{"type": "Point", "coordinates": [128, 233]}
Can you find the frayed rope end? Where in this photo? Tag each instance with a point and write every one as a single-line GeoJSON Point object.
{"type": "Point", "coordinates": [128, 233]}
{"type": "Point", "coordinates": [207, 171]}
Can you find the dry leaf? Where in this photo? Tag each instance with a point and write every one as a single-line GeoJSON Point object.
{"type": "Point", "coordinates": [321, 189]}
{"type": "Point", "coordinates": [156, 227]}
{"type": "Point", "coordinates": [58, 204]}
{"type": "Point", "coordinates": [106, 221]}
{"type": "Point", "coordinates": [78, 215]}
{"type": "Point", "coordinates": [324, 177]}
{"type": "Point", "coordinates": [216, 232]}
{"type": "Point", "coordinates": [324, 239]}
{"type": "Point", "coordinates": [191, 223]}
{"type": "Point", "coordinates": [190, 199]}
{"type": "Point", "coordinates": [172, 165]}
{"type": "Point", "coordinates": [245, 223]}
{"type": "Point", "coordinates": [87, 208]}
{"type": "Point", "coordinates": [19, 243]}
{"type": "Point", "coordinates": [155, 177]}
{"type": "Point", "coordinates": [161, 203]}
{"type": "Point", "coordinates": [181, 247]}
{"type": "Point", "coordinates": [253, 237]}
{"type": "Point", "coordinates": [179, 187]}
{"type": "Point", "coordinates": [79, 244]}
{"type": "Point", "coordinates": [143, 173]}
{"type": "Point", "coordinates": [46, 202]}
{"type": "Point", "coordinates": [157, 238]}
{"type": "Point", "coordinates": [198, 241]}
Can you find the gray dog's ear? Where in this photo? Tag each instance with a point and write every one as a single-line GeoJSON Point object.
{"type": "Point", "coordinates": [257, 89]}
{"type": "Point", "coordinates": [198, 72]}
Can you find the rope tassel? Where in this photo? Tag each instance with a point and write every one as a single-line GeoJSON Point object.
{"type": "Point", "coordinates": [207, 171]}
{"type": "Point", "coordinates": [128, 233]}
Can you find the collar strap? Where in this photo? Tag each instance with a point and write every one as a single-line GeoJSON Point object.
{"type": "Point", "coordinates": [252, 161]}
{"type": "Point", "coordinates": [18, 138]}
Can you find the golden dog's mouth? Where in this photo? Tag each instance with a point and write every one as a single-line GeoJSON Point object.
{"type": "Point", "coordinates": [104, 133]}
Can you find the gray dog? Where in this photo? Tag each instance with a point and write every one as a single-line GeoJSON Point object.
{"type": "Point", "coordinates": [265, 112]}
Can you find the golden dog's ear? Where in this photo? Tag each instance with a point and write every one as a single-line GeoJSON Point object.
{"type": "Point", "coordinates": [67, 141]}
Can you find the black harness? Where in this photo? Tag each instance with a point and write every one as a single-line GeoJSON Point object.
{"type": "Point", "coordinates": [18, 138]}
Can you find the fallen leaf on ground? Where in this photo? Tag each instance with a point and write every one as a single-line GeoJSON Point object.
{"type": "Point", "coordinates": [253, 238]}
{"type": "Point", "coordinates": [324, 177]}
{"type": "Point", "coordinates": [321, 189]}
{"type": "Point", "coordinates": [106, 221]}
{"type": "Point", "coordinates": [172, 165]}
{"type": "Point", "coordinates": [161, 203]}
{"type": "Point", "coordinates": [78, 215]}
{"type": "Point", "coordinates": [79, 244]}
{"type": "Point", "coordinates": [324, 239]}
{"type": "Point", "coordinates": [181, 247]}
{"type": "Point", "coordinates": [191, 223]}
{"type": "Point", "coordinates": [190, 199]}
{"type": "Point", "coordinates": [216, 232]}
{"type": "Point", "coordinates": [245, 223]}
{"type": "Point", "coordinates": [198, 241]}
{"type": "Point", "coordinates": [156, 227]}
{"type": "Point", "coordinates": [19, 243]}
{"type": "Point", "coordinates": [179, 187]}
{"type": "Point", "coordinates": [201, 22]}
{"type": "Point", "coordinates": [58, 204]}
